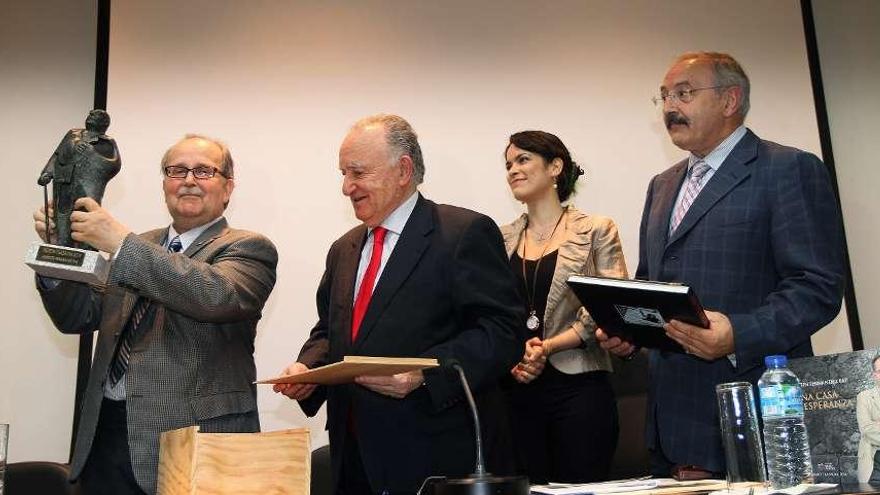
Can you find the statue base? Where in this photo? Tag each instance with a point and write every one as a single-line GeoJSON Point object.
{"type": "Point", "coordinates": [68, 263]}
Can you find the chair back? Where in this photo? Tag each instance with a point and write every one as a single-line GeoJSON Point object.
{"type": "Point", "coordinates": [630, 384]}
{"type": "Point", "coordinates": [43, 477]}
{"type": "Point", "coordinates": [321, 481]}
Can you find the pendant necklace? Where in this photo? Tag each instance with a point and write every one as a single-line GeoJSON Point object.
{"type": "Point", "coordinates": [533, 322]}
{"type": "Point", "coordinates": [542, 238]}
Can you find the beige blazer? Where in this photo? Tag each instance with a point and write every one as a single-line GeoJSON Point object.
{"type": "Point", "coordinates": [591, 247]}
{"type": "Point", "coordinates": [868, 416]}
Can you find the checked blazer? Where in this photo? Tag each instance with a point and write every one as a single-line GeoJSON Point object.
{"type": "Point", "coordinates": [762, 243]}
{"type": "Point", "coordinates": [192, 363]}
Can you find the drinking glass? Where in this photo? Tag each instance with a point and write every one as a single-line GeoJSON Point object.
{"type": "Point", "coordinates": [740, 434]}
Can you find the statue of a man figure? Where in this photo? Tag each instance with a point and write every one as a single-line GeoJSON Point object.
{"type": "Point", "coordinates": [81, 166]}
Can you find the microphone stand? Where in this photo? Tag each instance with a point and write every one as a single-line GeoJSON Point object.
{"type": "Point", "coordinates": [481, 482]}
{"type": "Point", "coordinates": [480, 470]}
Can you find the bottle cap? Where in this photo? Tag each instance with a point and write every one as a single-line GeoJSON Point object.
{"type": "Point", "coordinates": [777, 361]}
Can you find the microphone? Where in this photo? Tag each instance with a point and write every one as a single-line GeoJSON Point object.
{"type": "Point", "coordinates": [481, 482]}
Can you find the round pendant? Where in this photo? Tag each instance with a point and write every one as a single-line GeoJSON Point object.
{"type": "Point", "coordinates": [532, 322]}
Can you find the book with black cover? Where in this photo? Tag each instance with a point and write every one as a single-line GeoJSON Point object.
{"type": "Point", "coordinates": [636, 310]}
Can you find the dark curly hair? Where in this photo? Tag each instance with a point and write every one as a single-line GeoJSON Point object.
{"type": "Point", "coordinates": [550, 147]}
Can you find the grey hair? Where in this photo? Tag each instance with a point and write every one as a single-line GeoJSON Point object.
{"type": "Point", "coordinates": [227, 166]}
{"type": "Point", "coordinates": [400, 138]}
{"type": "Point", "coordinates": [727, 72]}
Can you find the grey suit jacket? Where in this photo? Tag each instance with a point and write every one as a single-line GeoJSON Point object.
{"type": "Point", "coordinates": [192, 364]}
{"type": "Point", "coordinates": [591, 247]}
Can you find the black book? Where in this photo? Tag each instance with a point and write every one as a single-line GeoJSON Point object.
{"type": "Point", "coordinates": [636, 310]}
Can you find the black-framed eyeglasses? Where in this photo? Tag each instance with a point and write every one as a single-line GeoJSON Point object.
{"type": "Point", "coordinates": [682, 95]}
{"type": "Point", "coordinates": [200, 172]}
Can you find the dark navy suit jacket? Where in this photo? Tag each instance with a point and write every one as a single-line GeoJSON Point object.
{"type": "Point", "coordinates": [446, 292]}
{"type": "Point", "coordinates": [762, 243]}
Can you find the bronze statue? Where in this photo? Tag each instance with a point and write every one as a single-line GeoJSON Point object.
{"type": "Point", "coordinates": [81, 166]}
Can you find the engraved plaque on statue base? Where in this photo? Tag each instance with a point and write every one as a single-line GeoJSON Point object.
{"type": "Point", "coordinates": [68, 263]}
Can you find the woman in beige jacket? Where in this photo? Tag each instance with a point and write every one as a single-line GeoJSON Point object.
{"type": "Point", "coordinates": [562, 409]}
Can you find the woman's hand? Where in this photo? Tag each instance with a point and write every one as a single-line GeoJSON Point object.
{"type": "Point", "coordinates": [532, 364]}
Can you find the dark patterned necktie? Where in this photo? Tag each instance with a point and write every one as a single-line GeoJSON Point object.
{"type": "Point", "coordinates": [123, 352]}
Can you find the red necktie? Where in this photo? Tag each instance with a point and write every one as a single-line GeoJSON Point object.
{"type": "Point", "coordinates": [366, 290]}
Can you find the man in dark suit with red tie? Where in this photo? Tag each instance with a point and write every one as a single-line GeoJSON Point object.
{"type": "Point", "coordinates": [416, 279]}
{"type": "Point", "coordinates": [754, 227]}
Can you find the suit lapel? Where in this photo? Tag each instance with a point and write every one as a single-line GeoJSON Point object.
{"type": "Point", "coordinates": [409, 249]}
{"type": "Point", "coordinates": [157, 236]}
{"type": "Point", "coordinates": [569, 256]}
{"type": "Point", "coordinates": [513, 235]}
{"type": "Point", "coordinates": [126, 305]}
{"type": "Point", "coordinates": [129, 298]}
{"type": "Point", "coordinates": [213, 232]}
{"type": "Point", "coordinates": [733, 171]}
{"type": "Point", "coordinates": [346, 276]}
{"type": "Point", "coordinates": [666, 191]}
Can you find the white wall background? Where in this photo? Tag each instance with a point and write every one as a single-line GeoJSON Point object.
{"type": "Point", "coordinates": [282, 81]}
{"type": "Point", "coordinates": [849, 48]}
{"type": "Point", "coordinates": [47, 55]}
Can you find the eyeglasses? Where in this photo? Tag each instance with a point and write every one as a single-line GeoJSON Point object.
{"type": "Point", "coordinates": [682, 95]}
{"type": "Point", "coordinates": [202, 172]}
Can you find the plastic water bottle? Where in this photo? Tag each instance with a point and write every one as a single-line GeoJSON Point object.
{"type": "Point", "coordinates": [785, 434]}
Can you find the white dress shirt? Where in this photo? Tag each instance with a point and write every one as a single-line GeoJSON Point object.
{"type": "Point", "coordinates": [394, 224]}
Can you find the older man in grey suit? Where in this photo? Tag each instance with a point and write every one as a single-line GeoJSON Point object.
{"type": "Point", "coordinates": [176, 322]}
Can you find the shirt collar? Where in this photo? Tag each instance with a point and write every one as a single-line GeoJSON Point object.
{"type": "Point", "coordinates": [397, 219]}
{"type": "Point", "coordinates": [717, 156]}
{"type": "Point", "coordinates": [190, 235]}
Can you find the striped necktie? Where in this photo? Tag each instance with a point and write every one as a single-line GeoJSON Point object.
{"type": "Point", "coordinates": [141, 306]}
{"type": "Point", "coordinates": [691, 190]}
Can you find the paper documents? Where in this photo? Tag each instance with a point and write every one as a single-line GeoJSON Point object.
{"type": "Point", "coordinates": [641, 486]}
{"type": "Point", "coordinates": [351, 366]}
{"type": "Point", "coordinates": [802, 489]}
